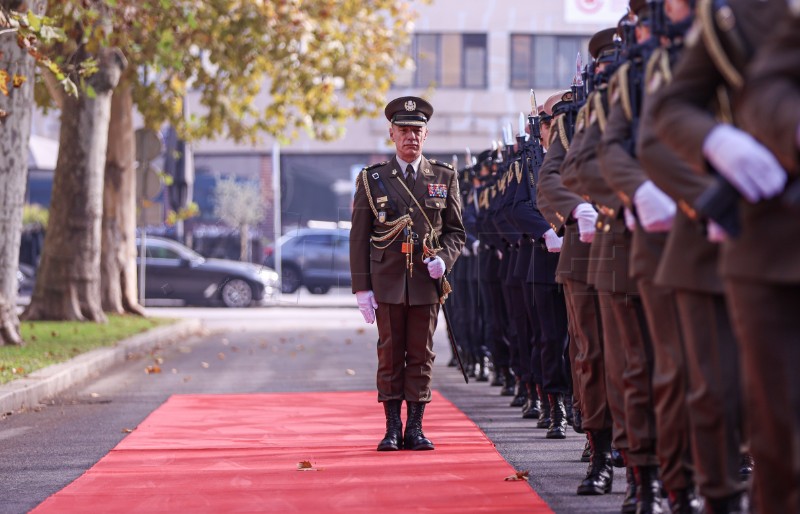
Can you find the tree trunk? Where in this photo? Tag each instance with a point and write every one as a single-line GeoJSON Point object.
{"type": "Point", "coordinates": [15, 131]}
{"type": "Point", "coordinates": [118, 288]}
{"type": "Point", "coordinates": [244, 240]}
{"type": "Point", "coordinates": [68, 282]}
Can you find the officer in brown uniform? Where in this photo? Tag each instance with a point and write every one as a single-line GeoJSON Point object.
{"type": "Point", "coordinates": [718, 50]}
{"type": "Point", "coordinates": [406, 234]}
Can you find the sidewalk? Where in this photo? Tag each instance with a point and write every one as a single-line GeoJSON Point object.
{"type": "Point", "coordinates": [29, 391]}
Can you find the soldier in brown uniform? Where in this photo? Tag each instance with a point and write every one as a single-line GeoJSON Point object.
{"type": "Point", "coordinates": [406, 234]}
{"type": "Point", "coordinates": [718, 50]}
{"type": "Point", "coordinates": [766, 301]}
{"type": "Point", "coordinates": [655, 212]}
{"type": "Point", "coordinates": [688, 265]}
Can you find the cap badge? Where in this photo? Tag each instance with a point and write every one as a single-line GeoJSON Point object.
{"type": "Point", "coordinates": [411, 105]}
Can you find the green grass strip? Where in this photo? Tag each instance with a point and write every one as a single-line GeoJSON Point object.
{"type": "Point", "coordinates": [51, 342]}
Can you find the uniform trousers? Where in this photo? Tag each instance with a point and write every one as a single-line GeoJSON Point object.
{"type": "Point", "coordinates": [405, 351]}
{"type": "Point", "coordinates": [670, 384]}
{"type": "Point", "coordinates": [615, 359]}
{"type": "Point", "coordinates": [714, 397]}
{"type": "Point", "coordinates": [766, 318]}
{"type": "Point", "coordinates": [552, 316]}
{"type": "Point", "coordinates": [640, 425]}
{"type": "Point", "coordinates": [588, 365]}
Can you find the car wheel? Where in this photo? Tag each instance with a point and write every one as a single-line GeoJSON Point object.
{"type": "Point", "coordinates": [291, 280]}
{"type": "Point", "coordinates": [319, 289]}
{"type": "Point", "coordinates": [237, 293]}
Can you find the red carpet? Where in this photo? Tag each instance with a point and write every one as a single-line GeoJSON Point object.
{"type": "Point", "coordinates": [240, 453]}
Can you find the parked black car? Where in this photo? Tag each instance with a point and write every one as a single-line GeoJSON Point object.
{"type": "Point", "coordinates": [316, 258]}
{"type": "Point", "coordinates": [174, 271]}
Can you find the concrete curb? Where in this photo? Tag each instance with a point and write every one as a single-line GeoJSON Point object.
{"type": "Point", "coordinates": [30, 391]}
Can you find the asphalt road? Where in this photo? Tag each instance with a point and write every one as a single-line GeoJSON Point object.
{"type": "Point", "coordinates": [306, 343]}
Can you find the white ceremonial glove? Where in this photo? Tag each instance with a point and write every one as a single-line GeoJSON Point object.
{"type": "Point", "coordinates": [656, 210]}
{"type": "Point", "coordinates": [475, 245]}
{"type": "Point", "coordinates": [715, 233]}
{"type": "Point", "coordinates": [630, 219]}
{"type": "Point", "coordinates": [552, 241]}
{"type": "Point", "coordinates": [586, 217]}
{"type": "Point", "coordinates": [436, 267]}
{"type": "Point", "coordinates": [367, 305]}
{"type": "Point", "coordinates": [746, 163]}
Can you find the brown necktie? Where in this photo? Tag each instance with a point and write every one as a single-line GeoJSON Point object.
{"type": "Point", "coordinates": [410, 177]}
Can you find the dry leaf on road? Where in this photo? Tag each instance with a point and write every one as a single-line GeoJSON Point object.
{"type": "Point", "coordinates": [519, 475]}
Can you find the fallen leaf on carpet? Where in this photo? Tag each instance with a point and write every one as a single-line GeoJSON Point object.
{"type": "Point", "coordinates": [360, 331]}
{"type": "Point", "coordinates": [519, 475]}
{"type": "Point", "coordinates": [152, 369]}
{"type": "Point", "coordinates": [350, 372]}
{"type": "Point", "coordinates": [205, 364]}
{"type": "Point", "coordinates": [305, 465]}
{"type": "Point", "coordinates": [221, 356]}
{"type": "Point", "coordinates": [127, 430]}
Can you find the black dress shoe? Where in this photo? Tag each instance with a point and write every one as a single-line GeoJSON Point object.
{"type": "Point", "coordinates": [520, 396]}
{"type": "Point", "coordinates": [558, 419]}
{"type": "Point", "coordinates": [600, 475]}
{"type": "Point", "coordinates": [414, 439]}
{"type": "Point", "coordinates": [544, 410]}
{"type": "Point", "coordinates": [482, 374]}
{"type": "Point", "coordinates": [393, 440]}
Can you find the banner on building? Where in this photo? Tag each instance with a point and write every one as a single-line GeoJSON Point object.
{"type": "Point", "coordinates": [594, 11]}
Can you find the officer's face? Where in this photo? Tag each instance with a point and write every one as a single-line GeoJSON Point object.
{"type": "Point", "coordinates": [545, 130]}
{"type": "Point", "coordinates": [408, 141]}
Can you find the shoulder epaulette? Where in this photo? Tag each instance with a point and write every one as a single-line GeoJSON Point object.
{"type": "Point", "coordinates": [705, 13]}
{"type": "Point", "coordinates": [440, 163]}
{"type": "Point", "coordinates": [371, 166]}
{"type": "Point", "coordinates": [619, 91]}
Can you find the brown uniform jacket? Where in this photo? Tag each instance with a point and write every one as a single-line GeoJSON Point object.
{"type": "Point", "coordinates": [556, 203]}
{"type": "Point", "coordinates": [683, 121]}
{"type": "Point", "coordinates": [384, 270]}
{"type": "Point", "coordinates": [689, 260]}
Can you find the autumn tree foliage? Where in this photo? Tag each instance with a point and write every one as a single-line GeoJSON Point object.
{"type": "Point", "coordinates": [312, 65]}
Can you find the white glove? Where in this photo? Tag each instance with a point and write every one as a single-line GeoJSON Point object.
{"type": "Point", "coordinates": [475, 245]}
{"type": "Point", "coordinates": [746, 163]}
{"type": "Point", "coordinates": [586, 217]}
{"type": "Point", "coordinates": [715, 233]}
{"type": "Point", "coordinates": [656, 210]}
{"type": "Point", "coordinates": [552, 241]}
{"type": "Point", "coordinates": [367, 305]}
{"type": "Point", "coordinates": [436, 267]}
{"type": "Point", "coordinates": [630, 219]}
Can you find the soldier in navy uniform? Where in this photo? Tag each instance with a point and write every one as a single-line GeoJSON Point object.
{"type": "Point", "coordinates": [406, 235]}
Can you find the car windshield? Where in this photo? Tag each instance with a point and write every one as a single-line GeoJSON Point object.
{"type": "Point", "coordinates": [164, 249]}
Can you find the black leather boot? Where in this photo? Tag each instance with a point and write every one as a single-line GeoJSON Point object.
{"type": "Point", "coordinates": [684, 501]}
{"type": "Point", "coordinates": [508, 383]}
{"type": "Point", "coordinates": [746, 467]}
{"type": "Point", "coordinates": [600, 475]}
{"type": "Point", "coordinates": [558, 419]}
{"type": "Point", "coordinates": [521, 395]}
{"type": "Point", "coordinates": [631, 492]}
{"type": "Point", "coordinates": [617, 460]}
{"type": "Point", "coordinates": [482, 375]}
{"type": "Point", "coordinates": [533, 405]}
{"type": "Point", "coordinates": [393, 440]}
{"type": "Point", "coordinates": [648, 500]}
{"type": "Point", "coordinates": [414, 439]}
{"type": "Point", "coordinates": [497, 377]}
{"type": "Point", "coordinates": [568, 407]}
{"type": "Point", "coordinates": [577, 420]}
{"type": "Point", "coordinates": [544, 415]}
{"type": "Point", "coordinates": [586, 456]}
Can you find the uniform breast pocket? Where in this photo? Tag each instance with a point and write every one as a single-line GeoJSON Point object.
{"type": "Point", "coordinates": [434, 207]}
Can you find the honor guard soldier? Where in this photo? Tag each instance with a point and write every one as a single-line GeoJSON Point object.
{"type": "Point", "coordinates": [406, 234]}
{"type": "Point", "coordinates": [758, 264]}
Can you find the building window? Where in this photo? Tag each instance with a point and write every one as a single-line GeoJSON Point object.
{"type": "Point", "coordinates": [545, 61]}
{"type": "Point", "coordinates": [446, 61]}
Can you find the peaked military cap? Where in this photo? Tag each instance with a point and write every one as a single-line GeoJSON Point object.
{"type": "Point", "coordinates": [641, 9]}
{"type": "Point", "coordinates": [557, 100]}
{"type": "Point", "coordinates": [484, 157]}
{"type": "Point", "coordinates": [409, 111]}
{"type": "Point", "coordinates": [602, 45]}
